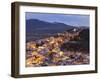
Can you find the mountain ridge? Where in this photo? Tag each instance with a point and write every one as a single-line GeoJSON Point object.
{"type": "Point", "coordinates": [36, 27]}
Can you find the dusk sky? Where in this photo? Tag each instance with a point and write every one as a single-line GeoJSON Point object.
{"type": "Point", "coordinates": [70, 19]}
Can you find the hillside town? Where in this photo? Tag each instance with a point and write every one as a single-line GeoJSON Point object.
{"type": "Point", "coordinates": [58, 50]}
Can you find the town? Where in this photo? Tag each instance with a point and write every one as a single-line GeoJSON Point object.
{"type": "Point", "coordinates": [62, 49]}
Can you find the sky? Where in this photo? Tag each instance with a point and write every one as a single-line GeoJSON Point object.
{"type": "Point", "coordinates": [69, 19]}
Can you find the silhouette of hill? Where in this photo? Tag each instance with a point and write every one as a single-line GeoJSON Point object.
{"type": "Point", "coordinates": [79, 44]}
{"type": "Point", "coordinates": [35, 27]}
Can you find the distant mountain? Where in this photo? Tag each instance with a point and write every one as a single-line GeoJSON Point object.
{"type": "Point", "coordinates": [35, 27]}
{"type": "Point", "coordinates": [39, 26]}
